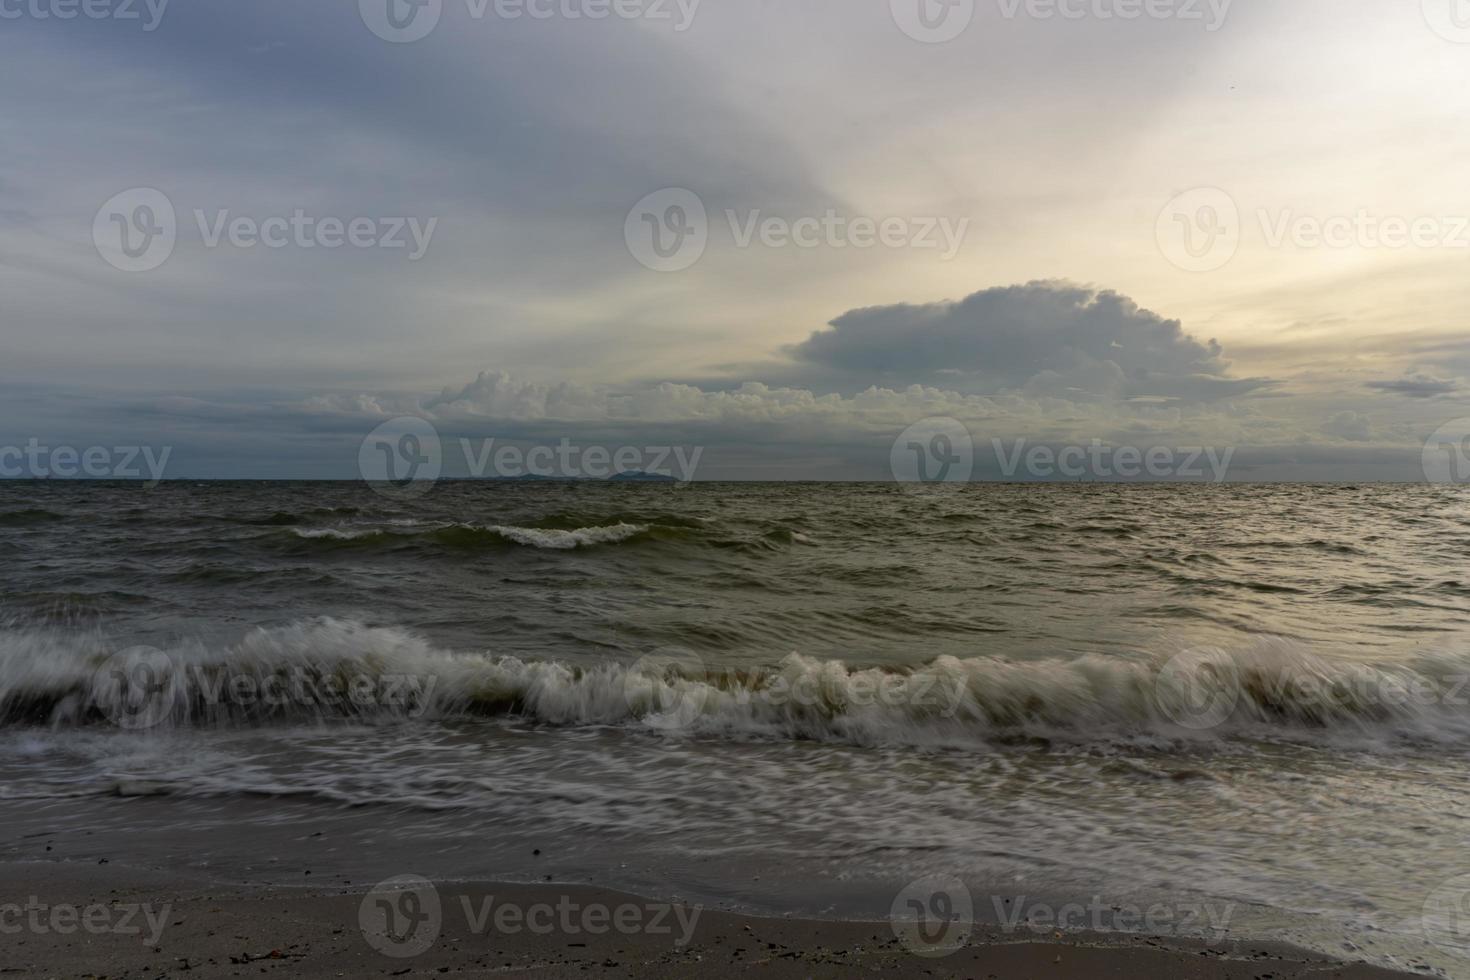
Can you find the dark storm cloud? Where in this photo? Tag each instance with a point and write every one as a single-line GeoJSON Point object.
{"type": "Point", "coordinates": [1417, 386]}
{"type": "Point", "coordinates": [1052, 338]}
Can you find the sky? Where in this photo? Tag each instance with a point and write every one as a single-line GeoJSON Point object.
{"type": "Point", "coordinates": [799, 237]}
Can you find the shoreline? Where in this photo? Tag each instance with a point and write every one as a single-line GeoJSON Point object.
{"type": "Point", "coordinates": [124, 922]}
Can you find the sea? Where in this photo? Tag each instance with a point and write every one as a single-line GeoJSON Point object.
{"type": "Point", "coordinates": [787, 699]}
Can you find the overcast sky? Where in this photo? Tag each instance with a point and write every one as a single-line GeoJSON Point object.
{"type": "Point", "coordinates": [782, 232]}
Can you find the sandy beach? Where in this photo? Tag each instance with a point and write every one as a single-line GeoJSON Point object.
{"type": "Point", "coordinates": [101, 921]}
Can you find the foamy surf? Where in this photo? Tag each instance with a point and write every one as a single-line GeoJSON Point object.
{"type": "Point", "coordinates": [566, 540]}
{"type": "Point", "coordinates": [328, 669]}
{"type": "Point", "coordinates": [531, 537]}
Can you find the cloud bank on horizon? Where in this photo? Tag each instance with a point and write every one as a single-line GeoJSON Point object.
{"type": "Point", "coordinates": [344, 216]}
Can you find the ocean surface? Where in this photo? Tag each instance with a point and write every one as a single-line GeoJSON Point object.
{"type": "Point", "coordinates": [780, 697]}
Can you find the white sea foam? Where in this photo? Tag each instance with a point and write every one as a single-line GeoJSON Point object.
{"type": "Point", "coordinates": [332, 533]}
{"type": "Point", "coordinates": [1271, 689]}
{"type": "Point", "coordinates": [582, 537]}
{"type": "Point", "coordinates": [531, 537]}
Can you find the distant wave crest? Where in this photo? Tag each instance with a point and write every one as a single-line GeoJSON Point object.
{"type": "Point", "coordinates": [470, 534]}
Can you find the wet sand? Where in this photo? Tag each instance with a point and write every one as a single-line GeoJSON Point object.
{"type": "Point", "coordinates": [104, 920]}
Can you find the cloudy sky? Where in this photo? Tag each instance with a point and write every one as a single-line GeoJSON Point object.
{"type": "Point", "coordinates": [783, 232]}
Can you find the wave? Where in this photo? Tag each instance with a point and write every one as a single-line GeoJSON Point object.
{"type": "Point", "coordinates": [582, 537]}
{"type": "Point", "coordinates": [573, 520]}
{"type": "Point", "coordinates": [339, 534]}
{"type": "Point", "coordinates": [555, 533]}
{"type": "Point", "coordinates": [777, 540]}
{"type": "Point", "coordinates": [333, 670]}
{"type": "Point", "coordinates": [470, 535]}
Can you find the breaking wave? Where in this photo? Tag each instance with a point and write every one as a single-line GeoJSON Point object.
{"type": "Point", "coordinates": [333, 670]}
{"type": "Point", "coordinates": [468, 535]}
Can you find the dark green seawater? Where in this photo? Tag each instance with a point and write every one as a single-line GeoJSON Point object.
{"type": "Point", "coordinates": [789, 697]}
